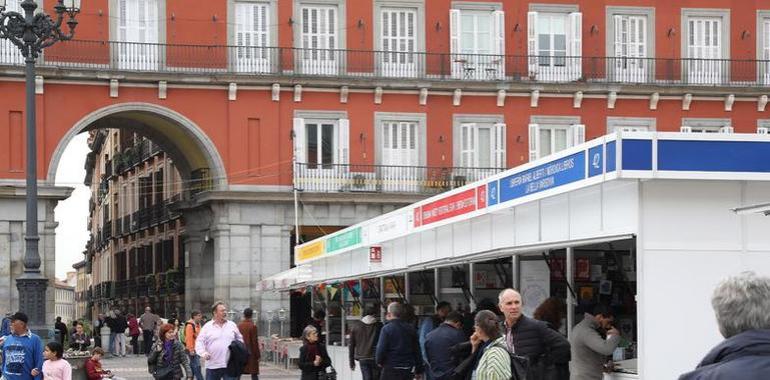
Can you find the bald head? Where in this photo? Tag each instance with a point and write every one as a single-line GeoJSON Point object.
{"type": "Point", "coordinates": [510, 304]}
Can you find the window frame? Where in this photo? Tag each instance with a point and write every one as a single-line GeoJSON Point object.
{"type": "Point", "coordinates": [421, 133]}
{"type": "Point", "coordinates": [319, 117]}
{"type": "Point", "coordinates": [417, 5]}
{"type": "Point", "coordinates": [341, 22]}
{"type": "Point", "coordinates": [706, 125]}
{"type": "Point", "coordinates": [649, 14]}
{"type": "Point", "coordinates": [614, 123]}
{"type": "Point", "coordinates": [721, 13]}
{"type": "Point", "coordinates": [272, 28]}
{"type": "Point", "coordinates": [481, 121]}
{"type": "Point", "coordinates": [763, 76]}
{"type": "Point", "coordinates": [114, 30]}
{"type": "Point", "coordinates": [475, 66]}
{"type": "Point", "coordinates": [554, 122]}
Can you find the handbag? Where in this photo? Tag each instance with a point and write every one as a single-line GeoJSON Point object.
{"type": "Point", "coordinates": [163, 373]}
{"type": "Point", "coordinates": [519, 367]}
{"type": "Point", "coordinates": [327, 374]}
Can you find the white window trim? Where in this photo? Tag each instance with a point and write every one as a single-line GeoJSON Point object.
{"type": "Point", "coordinates": [323, 116]}
{"type": "Point", "coordinates": [699, 125]}
{"type": "Point", "coordinates": [114, 12]}
{"type": "Point", "coordinates": [554, 122]}
{"type": "Point", "coordinates": [417, 5]}
{"type": "Point", "coordinates": [477, 66]}
{"type": "Point", "coordinates": [419, 118]}
{"type": "Point", "coordinates": [612, 11]}
{"type": "Point", "coordinates": [723, 14]}
{"type": "Point", "coordinates": [272, 25]}
{"type": "Point", "coordinates": [341, 21]}
{"type": "Point", "coordinates": [614, 123]}
{"type": "Point", "coordinates": [762, 15]}
{"type": "Point", "coordinates": [458, 120]}
{"type": "Point", "coordinates": [573, 66]}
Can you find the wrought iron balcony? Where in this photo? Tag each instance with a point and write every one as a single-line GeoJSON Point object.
{"type": "Point", "coordinates": [384, 178]}
{"type": "Point", "coordinates": [121, 288]}
{"type": "Point", "coordinates": [336, 63]}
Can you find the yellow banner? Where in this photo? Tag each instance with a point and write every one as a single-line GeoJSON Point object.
{"type": "Point", "coordinates": [310, 251]}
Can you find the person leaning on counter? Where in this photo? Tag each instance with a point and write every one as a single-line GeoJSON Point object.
{"type": "Point", "coordinates": [589, 348]}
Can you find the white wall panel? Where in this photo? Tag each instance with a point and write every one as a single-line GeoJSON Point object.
{"type": "Point", "coordinates": [413, 250]}
{"type": "Point", "coordinates": [554, 222]}
{"type": "Point", "coordinates": [399, 247]}
{"type": "Point", "coordinates": [527, 222]}
{"type": "Point", "coordinates": [758, 225]}
{"type": "Point", "coordinates": [691, 215]}
{"type": "Point", "coordinates": [444, 241]}
{"type": "Point", "coordinates": [585, 212]}
{"type": "Point", "coordinates": [620, 206]}
{"type": "Point", "coordinates": [503, 230]}
{"type": "Point", "coordinates": [428, 245]}
{"type": "Point", "coordinates": [481, 233]}
{"type": "Point", "coordinates": [462, 238]}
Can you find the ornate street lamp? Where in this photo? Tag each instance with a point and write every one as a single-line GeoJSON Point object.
{"type": "Point", "coordinates": [32, 32]}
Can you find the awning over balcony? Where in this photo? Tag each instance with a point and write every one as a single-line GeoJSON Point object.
{"type": "Point", "coordinates": [287, 279]}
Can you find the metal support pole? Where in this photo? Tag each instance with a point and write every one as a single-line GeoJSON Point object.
{"type": "Point", "coordinates": [570, 298]}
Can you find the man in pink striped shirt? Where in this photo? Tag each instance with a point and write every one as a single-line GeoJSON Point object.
{"type": "Point", "coordinates": [214, 341]}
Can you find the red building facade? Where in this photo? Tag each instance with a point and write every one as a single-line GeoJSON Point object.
{"type": "Point", "coordinates": [366, 105]}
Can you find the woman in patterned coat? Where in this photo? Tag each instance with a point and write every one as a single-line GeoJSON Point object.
{"type": "Point", "coordinates": [495, 362]}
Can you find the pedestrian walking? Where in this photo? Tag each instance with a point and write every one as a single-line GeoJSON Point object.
{"type": "Point", "coordinates": [528, 337]}
{"type": "Point", "coordinates": [22, 351]}
{"type": "Point", "coordinates": [62, 327]}
{"type": "Point", "coordinates": [120, 325]}
{"type": "Point", "coordinates": [111, 322]}
{"type": "Point", "coordinates": [251, 339]}
{"type": "Point", "coordinates": [133, 331]}
{"type": "Point", "coordinates": [398, 349]}
{"type": "Point", "coordinates": [495, 362]}
{"type": "Point", "coordinates": [741, 305]}
{"type": "Point", "coordinates": [313, 358]}
{"type": "Point", "coordinates": [214, 340]}
{"type": "Point", "coordinates": [79, 341]}
{"type": "Point", "coordinates": [191, 330]}
{"type": "Point", "coordinates": [363, 341]}
{"type": "Point", "coordinates": [441, 362]}
{"type": "Point", "coordinates": [54, 367]}
{"type": "Point", "coordinates": [97, 329]}
{"type": "Point", "coordinates": [428, 324]}
{"type": "Point", "coordinates": [590, 348]}
{"type": "Point", "coordinates": [148, 323]}
{"type": "Point", "coordinates": [168, 359]}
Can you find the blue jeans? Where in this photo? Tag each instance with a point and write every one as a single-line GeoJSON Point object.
{"type": "Point", "coordinates": [195, 365]}
{"type": "Point", "coordinates": [218, 374]}
{"type": "Point", "coordinates": [369, 370]}
{"type": "Point", "coordinates": [112, 348]}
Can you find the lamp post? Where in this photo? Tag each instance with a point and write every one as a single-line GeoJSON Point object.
{"type": "Point", "coordinates": [32, 33]}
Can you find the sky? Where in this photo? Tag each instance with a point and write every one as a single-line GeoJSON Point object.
{"type": "Point", "coordinates": [72, 213]}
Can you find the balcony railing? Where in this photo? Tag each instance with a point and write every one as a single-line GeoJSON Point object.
{"type": "Point", "coordinates": [298, 62]}
{"type": "Point", "coordinates": [382, 178]}
{"type": "Point", "coordinates": [121, 288]}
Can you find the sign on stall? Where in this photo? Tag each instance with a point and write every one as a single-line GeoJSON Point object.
{"type": "Point", "coordinates": [310, 251]}
{"type": "Point", "coordinates": [445, 208]}
{"type": "Point", "coordinates": [344, 240]}
{"type": "Point", "coordinates": [553, 174]}
{"type": "Point", "coordinates": [375, 254]}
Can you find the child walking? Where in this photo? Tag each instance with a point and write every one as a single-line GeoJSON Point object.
{"type": "Point", "coordinates": [54, 367]}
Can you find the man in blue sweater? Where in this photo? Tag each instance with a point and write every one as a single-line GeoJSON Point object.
{"type": "Point", "coordinates": [398, 350]}
{"type": "Point", "coordinates": [22, 351]}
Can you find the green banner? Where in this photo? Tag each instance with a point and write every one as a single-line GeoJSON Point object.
{"type": "Point", "coordinates": [344, 240]}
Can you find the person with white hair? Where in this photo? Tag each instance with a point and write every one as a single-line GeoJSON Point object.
{"type": "Point", "coordinates": [742, 307]}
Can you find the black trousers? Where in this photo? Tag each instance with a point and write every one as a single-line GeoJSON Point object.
{"type": "Point", "coordinates": [147, 344]}
{"type": "Point", "coordinates": [135, 344]}
{"type": "Point", "coordinates": [396, 374]}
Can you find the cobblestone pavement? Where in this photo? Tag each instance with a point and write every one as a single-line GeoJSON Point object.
{"type": "Point", "coordinates": [135, 367]}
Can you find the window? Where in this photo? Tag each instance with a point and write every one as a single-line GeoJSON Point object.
{"type": "Point", "coordinates": [9, 53]}
{"type": "Point", "coordinates": [138, 34]}
{"type": "Point", "coordinates": [630, 124]}
{"type": "Point", "coordinates": [630, 43]}
{"type": "Point", "coordinates": [554, 42]}
{"type": "Point", "coordinates": [706, 45]}
{"type": "Point", "coordinates": [252, 37]}
{"type": "Point", "coordinates": [479, 145]}
{"type": "Point", "coordinates": [763, 45]}
{"type": "Point", "coordinates": [398, 41]}
{"type": "Point", "coordinates": [321, 142]}
{"type": "Point", "coordinates": [551, 134]}
{"type": "Point", "coordinates": [697, 125]}
{"type": "Point", "coordinates": [477, 41]}
{"type": "Point", "coordinates": [318, 38]}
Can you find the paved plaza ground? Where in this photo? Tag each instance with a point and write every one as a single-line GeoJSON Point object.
{"type": "Point", "coordinates": [135, 367]}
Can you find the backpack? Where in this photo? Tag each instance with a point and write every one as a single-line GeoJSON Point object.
{"type": "Point", "coordinates": [181, 332]}
{"type": "Point", "coordinates": [519, 364]}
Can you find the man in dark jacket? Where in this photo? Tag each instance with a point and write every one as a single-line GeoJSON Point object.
{"type": "Point", "coordinates": [741, 305]}
{"type": "Point", "coordinates": [531, 338]}
{"type": "Point", "coordinates": [398, 351]}
{"type": "Point", "coordinates": [363, 340]}
{"type": "Point", "coordinates": [441, 363]}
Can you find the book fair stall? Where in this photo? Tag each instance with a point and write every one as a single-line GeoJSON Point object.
{"type": "Point", "coordinates": [621, 220]}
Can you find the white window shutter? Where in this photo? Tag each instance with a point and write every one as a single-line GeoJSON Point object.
{"type": "Point", "coordinates": [343, 142]}
{"type": "Point", "coordinates": [762, 130]}
{"type": "Point", "coordinates": [578, 134]}
{"type": "Point", "coordinates": [534, 142]}
{"type": "Point", "coordinates": [498, 142]}
{"type": "Point", "coordinates": [726, 129]}
{"type": "Point", "coordinates": [685, 129]}
{"type": "Point", "coordinates": [498, 19]}
{"type": "Point", "coordinates": [299, 140]}
{"type": "Point", "coordinates": [151, 21]}
{"type": "Point", "coordinates": [468, 144]}
{"type": "Point", "coordinates": [618, 32]}
{"type": "Point", "coordinates": [575, 43]}
{"type": "Point", "coordinates": [385, 143]}
{"type": "Point", "coordinates": [454, 31]}
{"type": "Point", "coordinates": [532, 42]}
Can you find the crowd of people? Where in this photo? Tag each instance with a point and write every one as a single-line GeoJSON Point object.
{"type": "Point", "coordinates": [504, 343]}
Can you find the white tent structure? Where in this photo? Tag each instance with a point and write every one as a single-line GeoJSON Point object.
{"type": "Point", "coordinates": [647, 212]}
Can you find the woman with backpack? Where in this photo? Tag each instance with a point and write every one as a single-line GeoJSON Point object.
{"type": "Point", "coordinates": [168, 358]}
{"type": "Point", "coordinates": [495, 362]}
